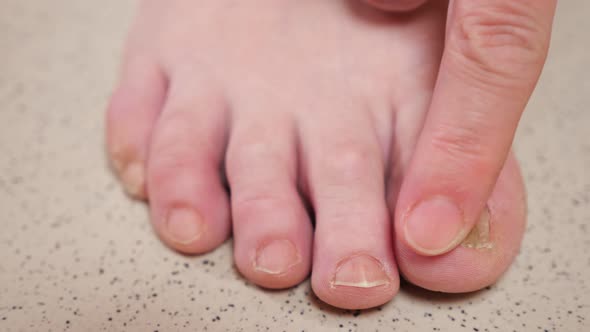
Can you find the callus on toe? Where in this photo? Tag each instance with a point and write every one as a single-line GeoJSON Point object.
{"type": "Point", "coordinates": [133, 180]}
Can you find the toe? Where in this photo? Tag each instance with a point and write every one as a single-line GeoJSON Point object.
{"type": "Point", "coordinates": [272, 231]}
{"type": "Point", "coordinates": [188, 202]}
{"type": "Point", "coordinates": [353, 266]}
{"type": "Point", "coordinates": [486, 253]}
{"type": "Point", "coordinates": [133, 111]}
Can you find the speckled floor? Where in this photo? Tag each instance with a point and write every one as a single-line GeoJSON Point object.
{"type": "Point", "coordinates": [78, 255]}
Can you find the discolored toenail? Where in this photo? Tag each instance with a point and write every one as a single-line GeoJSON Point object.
{"type": "Point", "coordinates": [133, 179]}
{"type": "Point", "coordinates": [276, 257]}
{"type": "Point", "coordinates": [184, 225]}
{"type": "Point", "coordinates": [361, 271]}
{"type": "Point", "coordinates": [479, 237]}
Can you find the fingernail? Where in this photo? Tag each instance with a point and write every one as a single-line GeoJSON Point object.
{"type": "Point", "coordinates": [276, 257]}
{"type": "Point", "coordinates": [360, 271]}
{"type": "Point", "coordinates": [434, 227]}
{"type": "Point", "coordinates": [133, 179]}
{"type": "Point", "coordinates": [184, 225]}
{"type": "Point", "coordinates": [479, 237]}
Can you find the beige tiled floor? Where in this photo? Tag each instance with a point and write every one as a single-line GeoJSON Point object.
{"type": "Point", "coordinates": [76, 254]}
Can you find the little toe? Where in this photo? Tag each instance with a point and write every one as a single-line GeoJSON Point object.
{"type": "Point", "coordinates": [486, 253]}
{"type": "Point", "coordinates": [272, 231]}
{"type": "Point", "coordinates": [353, 266]}
{"type": "Point", "coordinates": [188, 202]}
{"type": "Point", "coordinates": [131, 116]}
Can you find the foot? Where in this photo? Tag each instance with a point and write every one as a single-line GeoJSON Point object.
{"type": "Point", "coordinates": [297, 101]}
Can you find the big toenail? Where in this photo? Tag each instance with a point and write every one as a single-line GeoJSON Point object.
{"type": "Point", "coordinates": [133, 179]}
{"type": "Point", "coordinates": [479, 237]}
{"type": "Point", "coordinates": [184, 225]}
{"type": "Point", "coordinates": [435, 226]}
{"type": "Point", "coordinates": [276, 257]}
{"type": "Point", "coordinates": [361, 271]}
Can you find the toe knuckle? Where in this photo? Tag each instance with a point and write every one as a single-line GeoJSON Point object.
{"type": "Point", "coordinates": [498, 40]}
{"type": "Point", "coordinates": [170, 163]}
{"type": "Point", "coordinates": [257, 157]}
{"type": "Point", "coordinates": [252, 203]}
{"type": "Point", "coordinates": [349, 161]}
{"type": "Point", "coordinates": [248, 152]}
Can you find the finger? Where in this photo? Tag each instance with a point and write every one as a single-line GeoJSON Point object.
{"type": "Point", "coordinates": [494, 53]}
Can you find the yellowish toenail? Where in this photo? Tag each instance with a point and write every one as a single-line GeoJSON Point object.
{"type": "Point", "coordinates": [133, 179]}
{"type": "Point", "coordinates": [184, 225]}
{"type": "Point", "coordinates": [479, 237]}
{"type": "Point", "coordinates": [276, 257]}
{"type": "Point", "coordinates": [361, 271]}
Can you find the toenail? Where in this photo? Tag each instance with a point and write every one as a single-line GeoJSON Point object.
{"type": "Point", "coordinates": [360, 271]}
{"type": "Point", "coordinates": [435, 226]}
{"type": "Point", "coordinates": [479, 237]}
{"type": "Point", "coordinates": [184, 225]}
{"type": "Point", "coordinates": [276, 257]}
{"type": "Point", "coordinates": [133, 179]}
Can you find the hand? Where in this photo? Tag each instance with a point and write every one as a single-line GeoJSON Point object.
{"type": "Point", "coordinates": [494, 53]}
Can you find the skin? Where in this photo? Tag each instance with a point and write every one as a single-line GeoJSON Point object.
{"type": "Point", "coordinates": [337, 112]}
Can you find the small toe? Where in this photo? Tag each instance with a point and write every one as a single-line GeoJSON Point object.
{"type": "Point", "coordinates": [188, 202]}
{"type": "Point", "coordinates": [272, 231]}
{"type": "Point", "coordinates": [131, 116]}
{"type": "Point", "coordinates": [354, 266]}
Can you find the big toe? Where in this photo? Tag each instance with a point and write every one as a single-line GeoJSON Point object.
{"type": "Point", "coordinates": [486, 253]}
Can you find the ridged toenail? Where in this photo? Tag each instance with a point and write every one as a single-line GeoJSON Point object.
{"type": "Point", "coordinates": [479, 237]}
{"type": "Point", "coordinates": [184, 225]}
{"type": "Point", "coordinates": [361, 271]}
{"type": "Point", "coordinates": [435, 226]}
{"type": "Point", "coordinates": [133, 179]}
{"type": "Point", "coordinates": [276, 257]}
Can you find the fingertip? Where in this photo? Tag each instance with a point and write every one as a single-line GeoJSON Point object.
{"type": "Point", "coordinates": [434, 226]}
